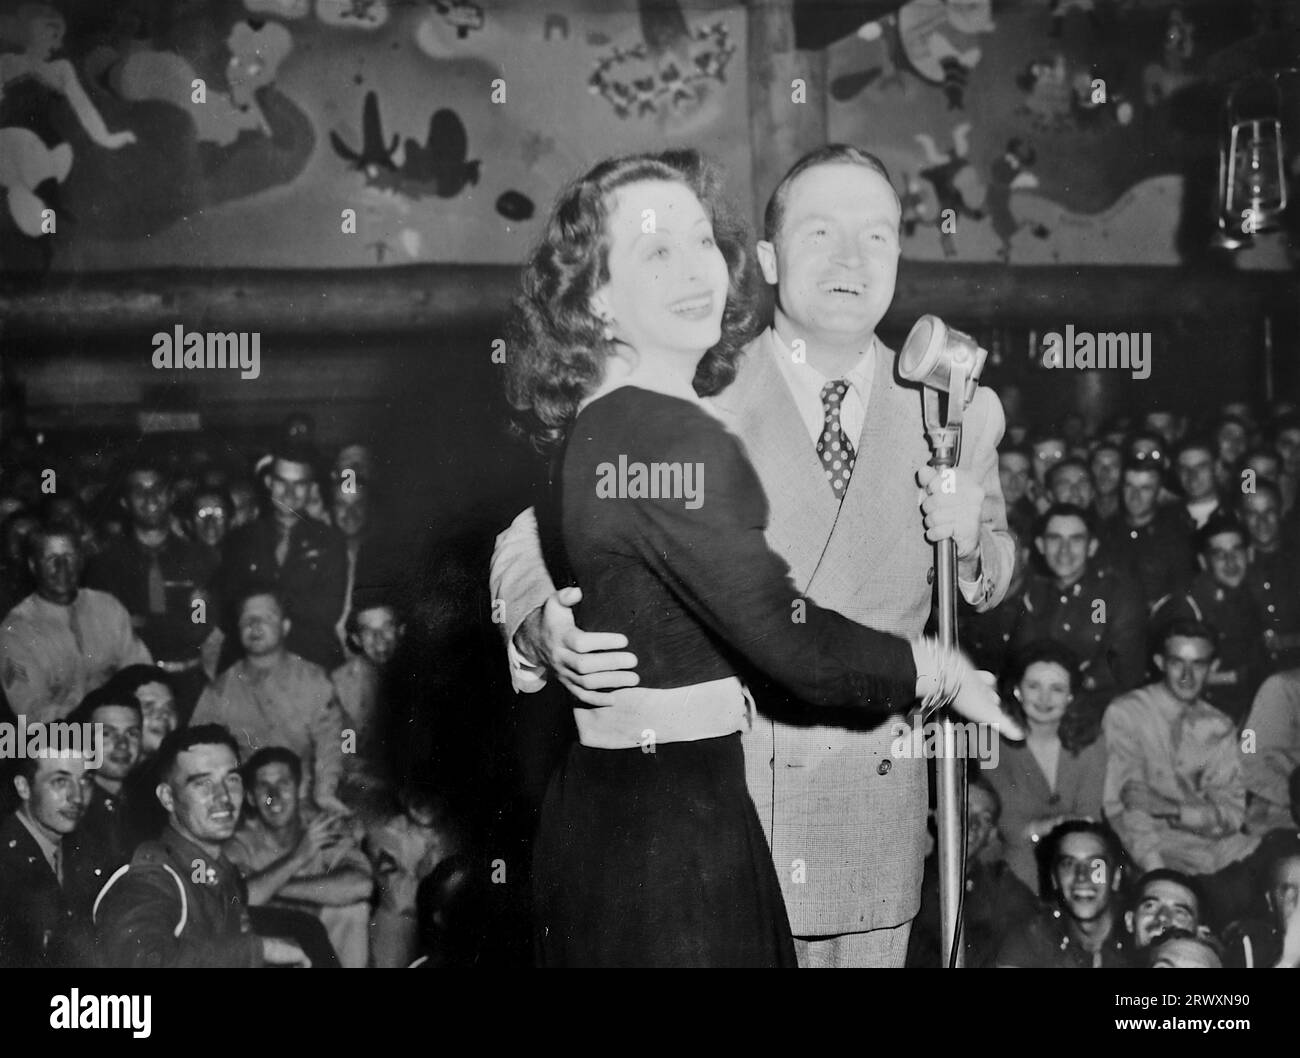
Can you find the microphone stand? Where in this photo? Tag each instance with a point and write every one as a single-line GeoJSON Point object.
{"type": "Point", "coordinates": [945, 444]}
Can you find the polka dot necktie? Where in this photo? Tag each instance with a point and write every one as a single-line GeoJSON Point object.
{"type": "Point", "coordinates": [834, 447]}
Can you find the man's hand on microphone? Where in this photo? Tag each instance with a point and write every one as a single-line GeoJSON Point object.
{"type": "Point", "coordinates": [953, 509]}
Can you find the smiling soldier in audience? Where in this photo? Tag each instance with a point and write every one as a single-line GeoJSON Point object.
{"type": "Point", "coordinates": [181, 902]}
{"type": "Point", "coordinates": [63, 640]}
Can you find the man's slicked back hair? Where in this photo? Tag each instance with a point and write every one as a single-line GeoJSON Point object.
{"type": "Point", "coordinates": [831, 154]}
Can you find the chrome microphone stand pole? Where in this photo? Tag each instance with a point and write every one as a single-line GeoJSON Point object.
{"type": "Point", "coordinates": [959, 366]}
{"type": "Point", "coordinates": [943, 360]}
{"type": "Point", "coordinates": [950, 778]}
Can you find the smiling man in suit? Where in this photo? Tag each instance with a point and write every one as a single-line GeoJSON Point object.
{"type": "Point", "coordinates": [839, 446]}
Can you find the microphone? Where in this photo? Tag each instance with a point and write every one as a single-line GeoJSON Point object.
{"type": "Point", "coordinates": [946, 362]}
{"type": "Point", "coordinates": [937, 355]}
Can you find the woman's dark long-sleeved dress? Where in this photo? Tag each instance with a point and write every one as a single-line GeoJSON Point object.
{"type": "Point", "coordinates": [659, 858]}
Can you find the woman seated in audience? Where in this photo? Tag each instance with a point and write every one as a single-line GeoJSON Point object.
{"type": "Point", "coordinates": [1051, 776]}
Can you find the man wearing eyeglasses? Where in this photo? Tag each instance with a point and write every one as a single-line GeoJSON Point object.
{"type": "Point", "coordinates": [211, 515]}
{"type": "Point", "coordinates": [302, 558]}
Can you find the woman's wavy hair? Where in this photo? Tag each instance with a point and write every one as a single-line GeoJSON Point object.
{"type": "Point", "coordinates": [1077, 731]}
{"type": "Point", "coordinates": [558, 348]}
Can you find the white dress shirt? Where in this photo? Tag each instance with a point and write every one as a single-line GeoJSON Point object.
{"type": "Point", "coordinates": [806, 384]}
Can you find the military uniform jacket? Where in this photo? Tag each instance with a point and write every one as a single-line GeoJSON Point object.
{"type": "Point", "coordinates": [42, 924]}
{"type": "Point", "coordinates": [122, 570]}
{"type": "Point", "coordinates": [174, 905]}
{"type": "Point", "coordinates": [314, 580]}
{"type": "Point", "coordinates": [1045, 942]}
{"type": "Point", "coordinates": [1159, 555]}
{"type": "Point", "coordinates": [1102, 618]}
{"type": "Point", "coordinates": [1274, 582]}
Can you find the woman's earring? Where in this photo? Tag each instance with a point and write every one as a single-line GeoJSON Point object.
{"type": "Point", "coordinates": [608, 330]}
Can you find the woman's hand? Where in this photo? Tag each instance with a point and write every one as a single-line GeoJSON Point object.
{"type": "Point", "coordinates": [949, 676]}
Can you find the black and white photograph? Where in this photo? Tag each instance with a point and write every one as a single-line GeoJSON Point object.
{"type": "Point", "coordinates": [510, 484]}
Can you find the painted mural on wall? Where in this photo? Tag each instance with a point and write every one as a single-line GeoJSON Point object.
{"type": "Point", "coordinates": [344, 133]}
{"type": "Point", "coordinates": [224, 133]}
{"type": "Point", "coordinates": [1043, 131]}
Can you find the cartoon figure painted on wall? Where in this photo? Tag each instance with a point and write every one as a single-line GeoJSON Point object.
{"type": "Point", "coordinates": [1009, 174]}
{"type": "Point", "coordinates": [1160, 81]}
{"type": "Point", "coordinates": [463, 17]}
{"type": "Point", "coordinates": [353, 14]}
{"type": "Point", "coordinates": [1049, 94]}
{"type": "Point", "coordinates": [34, 159]}
{"type": "Point", "coordinates": [460, 30]}
{"type": "Point", "coordinates": [670, 72]}
{"type": "Point", "coordinates": [440, 166]}
{"type": "Point", "coordinates": [917, 205]}
{"type": "Point", "coordinates": [940, 40]}
{"type": "Point", "coordinates": [956, 184]}
{"type": "Point", "coordinates": [255, 58]}
{"type": "Point", "coordinates": [1058, 100]}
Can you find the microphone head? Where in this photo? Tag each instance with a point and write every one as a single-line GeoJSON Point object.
{"type": "Point", "coordinates": [931, 350]}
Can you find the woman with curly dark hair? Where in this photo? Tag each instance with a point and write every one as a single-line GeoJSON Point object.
{"type": "Point", "coordinates": [649, 850]}
{"type": "Point", "coordinates": [1059, 771]}
{"type": "Point", "coordinates": [562, 345]}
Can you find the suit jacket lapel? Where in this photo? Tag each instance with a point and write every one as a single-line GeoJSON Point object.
{"type": "Point", "coordinates": [880, 512]}
{"type": "Point", "coordinates": [882, 425]}
{"type": "Point", "coordinates": [759, 408]}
